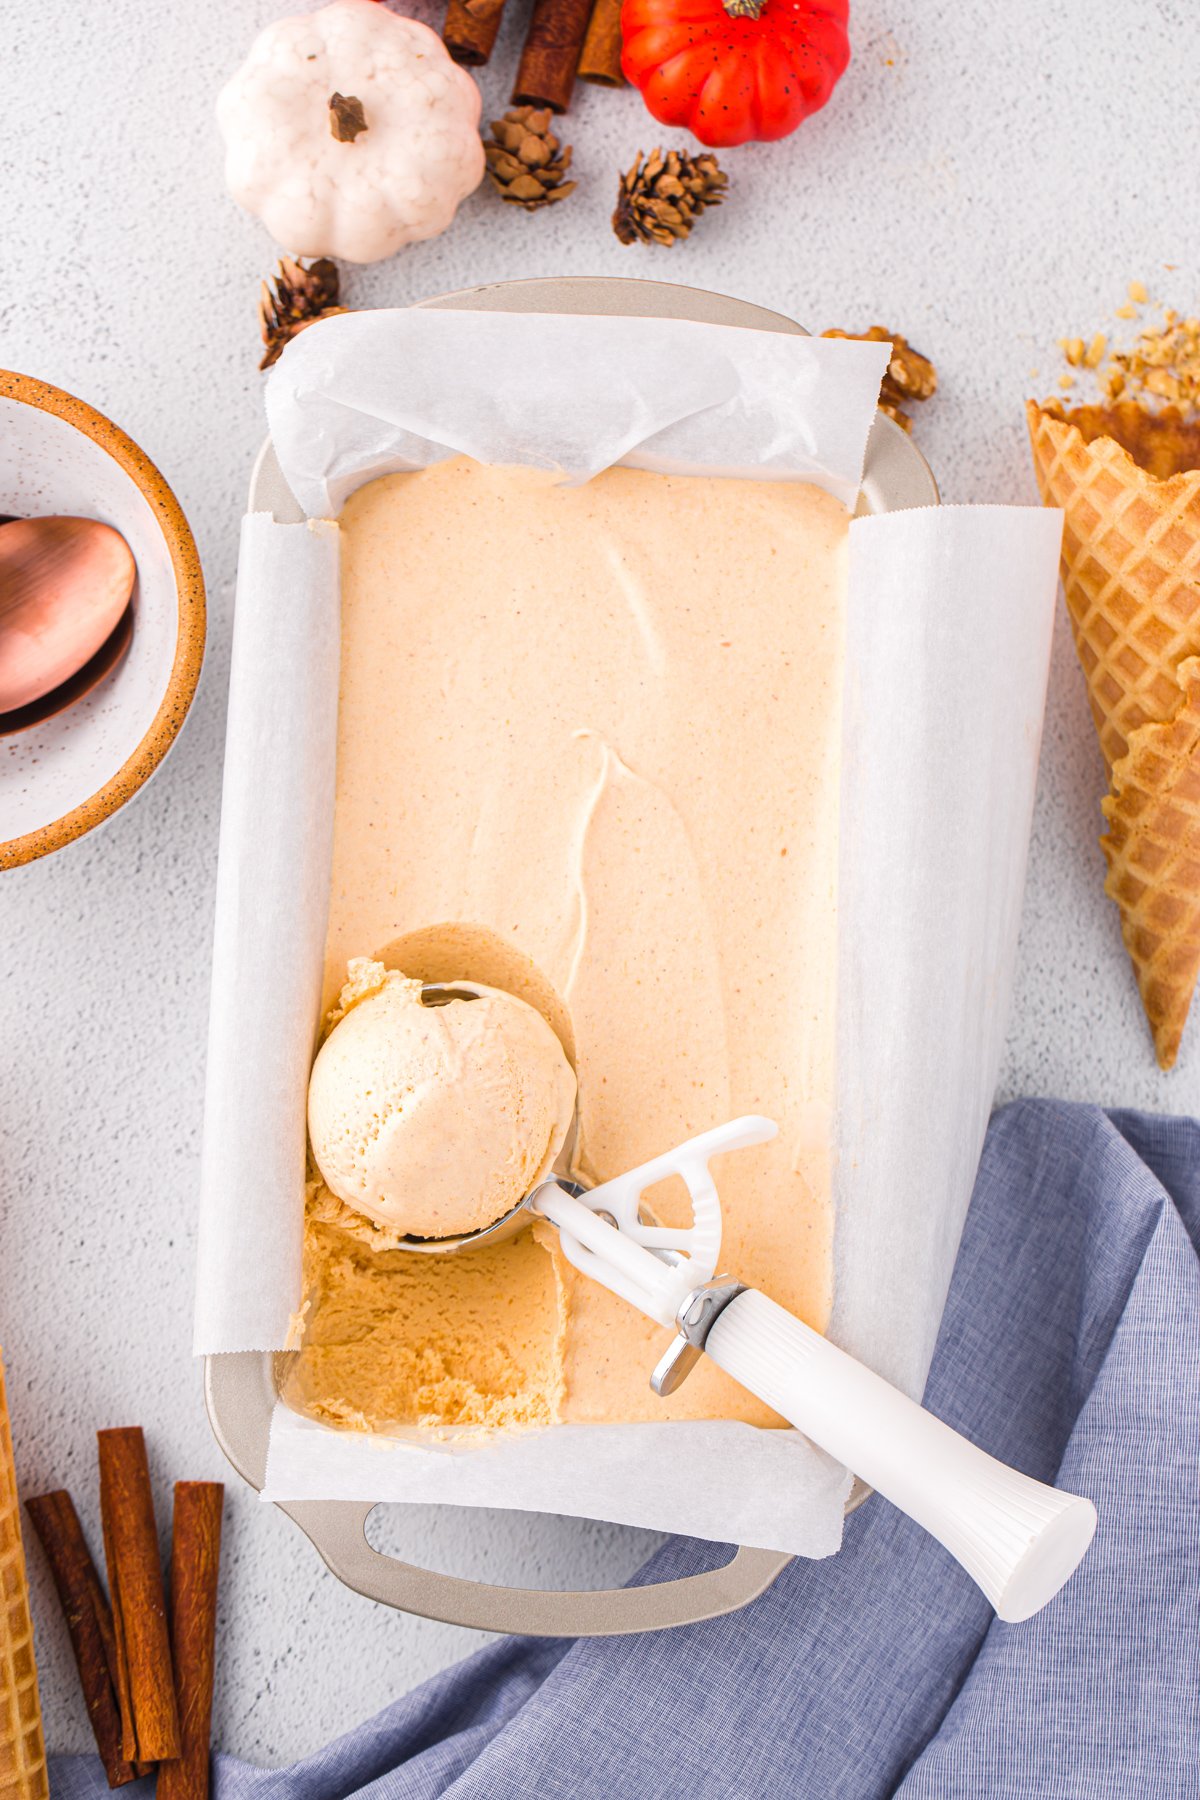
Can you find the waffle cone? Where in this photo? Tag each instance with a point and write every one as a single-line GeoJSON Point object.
{"type": "Point", "coordinates": [1153, 852]}
{"type": "Point", "coordinates": [1130, 569]}
{"type": "Point", "coordinates": [22, 1751]}
{"type": "Point", "coordinates": [1131, 573]}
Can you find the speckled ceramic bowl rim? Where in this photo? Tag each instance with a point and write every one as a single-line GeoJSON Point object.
{"type": "Point", "coordinates": [189, 646]}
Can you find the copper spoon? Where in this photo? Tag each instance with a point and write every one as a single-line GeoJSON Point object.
{"type": "Point", "coordinates": [65, 616]}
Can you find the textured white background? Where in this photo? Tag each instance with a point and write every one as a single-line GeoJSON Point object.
{"type": "Point", "coordinates": [986, 178]}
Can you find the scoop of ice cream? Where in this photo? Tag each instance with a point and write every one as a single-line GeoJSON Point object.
{"type": "Point", "coordinates": [435, 1120]}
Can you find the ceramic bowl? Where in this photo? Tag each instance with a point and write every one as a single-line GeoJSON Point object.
{"type": "Point", "coordinates": [62, 778]}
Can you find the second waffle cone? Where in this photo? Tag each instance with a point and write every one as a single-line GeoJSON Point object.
{"type": "Point", "coordinates": [1131, 573]}
{"type": "Point", "coordinates": [1130, 568]}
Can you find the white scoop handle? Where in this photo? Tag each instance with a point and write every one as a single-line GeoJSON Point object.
{"type": "Point", "coordinates": [1019, 1539]}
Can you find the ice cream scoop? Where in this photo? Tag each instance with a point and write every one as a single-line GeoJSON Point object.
{"type": "Point", "coordinates": [442, 1109]}
{"type": "Point", "coordinates": [1018, 1538]}
{"type": "Point", "coordinates": [434, 1110]}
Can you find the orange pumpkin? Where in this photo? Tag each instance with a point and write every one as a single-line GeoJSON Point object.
{"type": "Point", "coordinates": [732, 70]}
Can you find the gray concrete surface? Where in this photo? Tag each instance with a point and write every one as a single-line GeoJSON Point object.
{"type": "Point", "coordinates": [986, 179]}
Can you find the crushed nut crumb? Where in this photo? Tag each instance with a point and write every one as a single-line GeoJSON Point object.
{"type": "Point", "coordinates": [1137, 293]}
{"type": "Point", "coordinates": [1164, 362]}
{"type": "Point", "coordinates": [1160, 369]}
{"type": "Point", "coordinates": [1165, 386]}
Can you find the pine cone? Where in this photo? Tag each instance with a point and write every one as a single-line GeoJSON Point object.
{"type": "Point", "coordinates": [910, 376]}
{"type": "Point", "coordinates": [661, 197]}
{"type": "Point", "coordinates": [301, 296]}
{"type": "Point", "coordinates": [525, 161]}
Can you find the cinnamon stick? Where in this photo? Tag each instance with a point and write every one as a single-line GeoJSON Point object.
{"type": "Point", "coordinates": [600, 58]}
{"type": "Point", "coordinates": [470, 30]}
{"type": "Point", "coordinates": [546, 74]}
{"type": "Point", "coordinates": [89, 1622]}
{"type": "Point", "coordinates": [145, 1682]}
{"type": "Point", "coordinates": [195, 1559]}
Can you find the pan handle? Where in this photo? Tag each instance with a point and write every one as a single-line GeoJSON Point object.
{"type": "Point", "coordinates": [337, 1528]}
{"type": "Point", "coordinates": [240, 1390]}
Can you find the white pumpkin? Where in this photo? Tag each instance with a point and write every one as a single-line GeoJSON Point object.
{"type": "Point", "coordinates": [350, 132]}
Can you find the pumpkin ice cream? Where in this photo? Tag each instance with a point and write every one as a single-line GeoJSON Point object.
{"type": "Point", "coordinates": [433, 1120]}
{"type": "Point", "coordinates": [469, 1340]}
{"type": "Point", "coordinates": [589, 753]}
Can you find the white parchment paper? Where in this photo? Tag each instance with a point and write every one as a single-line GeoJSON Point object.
{"type": "Point", "coordinates": [269, 937]}
{"type": "Point", "coordinates": [948, 643]}
{"type": "Point", "coordinates": [380, 392]}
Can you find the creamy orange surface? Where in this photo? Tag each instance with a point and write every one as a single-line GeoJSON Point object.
{"type": "Point", "coordinates": [588, 751]}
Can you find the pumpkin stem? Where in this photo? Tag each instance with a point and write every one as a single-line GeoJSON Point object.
{"type": "Point", "coordinates": [346, 117]}
{"type": "Point", "coordinates": [744, 9]}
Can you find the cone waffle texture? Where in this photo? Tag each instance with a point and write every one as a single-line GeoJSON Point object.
{"type": "Point", "coordinates": [22, 1751]}
{"type": "Point", "coordinates": [1153, 851]}
{"type": "Point", "coordinates": [1131, 573]}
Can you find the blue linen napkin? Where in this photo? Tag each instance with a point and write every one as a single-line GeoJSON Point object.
{"type": "Point", "coordinates": [1070, 1347]}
